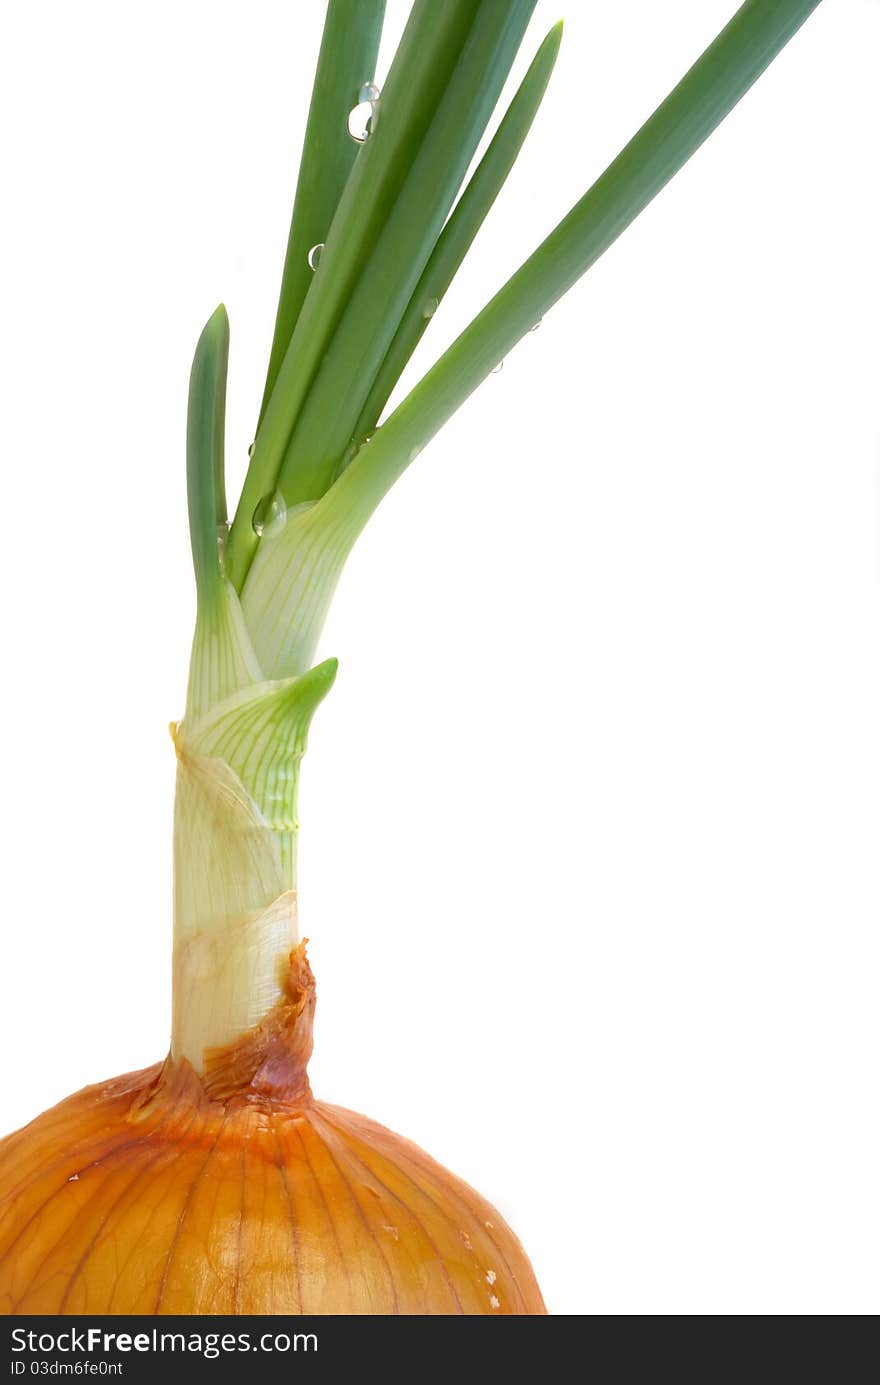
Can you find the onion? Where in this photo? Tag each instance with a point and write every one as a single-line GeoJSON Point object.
{"type": "Point", "coordinates": [237, 1192]}
{"type": "Point", "coordinates": [215, 1183]}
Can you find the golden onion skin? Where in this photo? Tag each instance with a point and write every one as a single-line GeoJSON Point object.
{"type": "Point", "coordinates": [166, 1192]}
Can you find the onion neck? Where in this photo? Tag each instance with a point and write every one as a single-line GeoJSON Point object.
{"type": "Point", "coordinates": [270, 1061]}
{"type": "Point", "coordinates": [239, 750]}
{"type": "Point", "coordinates": [235, 911]}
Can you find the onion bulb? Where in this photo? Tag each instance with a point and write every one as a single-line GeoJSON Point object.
{"type": "Point", "coordinates": [237, 1192]}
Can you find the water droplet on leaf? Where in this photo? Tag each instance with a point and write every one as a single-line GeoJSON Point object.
{"type": "Point", "coordinates": [430, 308]}
{"type": "Point", "coordinates": [315, 255]}
{"type": "Point", "coordinates": [498, 369]}
{"type": "Point", "coordinates": [364, 117]}
{"type": "Point", "coordinates": [270, 516]}
{"type": "Point", "coordinates": [537, 325]}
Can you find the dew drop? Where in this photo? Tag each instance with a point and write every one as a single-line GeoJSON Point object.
{"type": "Point", "coordinates": [364, 117]}
{"type": "Point", "coordinates": [315, 255]}
{"type": "Point", "coordinates": [491, 1276]}
{"type": "Point", "coordinates": [537, 325]}
{"type": "Point", "coordinates": [251, 449]}
{"type": "Point", "coordinates": [414, 452]}
{"type": "Point", "coordinates": [493, 1301]}
{"type": "Point", "coordinates": [430, 308]}
{"type": "Point", "coordinates": [270, 516]}
{"type": "Point", "coordinates": [360, 122]}
{"type": "Point", "coordinates": [74, 1178]}
{"type": "Point", "coordinates": [392, 1231]}
{"type": "Point", "coordinates": [498, 369]}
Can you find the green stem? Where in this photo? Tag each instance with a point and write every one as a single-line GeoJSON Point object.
{"type": "Point", "coordinates": [252, 691]}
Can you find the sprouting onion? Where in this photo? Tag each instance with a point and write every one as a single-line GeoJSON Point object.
{"type": "Point", "coordinates": [215, 1182]}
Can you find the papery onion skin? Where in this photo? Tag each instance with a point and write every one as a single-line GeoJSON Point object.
{"type": "Point", "coordinates": [236, 1192]}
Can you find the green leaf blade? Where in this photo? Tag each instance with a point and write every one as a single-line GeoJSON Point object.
{"type": "Point", "coordinates": [205, 427]}
{"type": "Point", "coordinates": [697, 105]}
{"type": "Point", "coordinates": [347, 58]}
{"type": "Point", "coordinates": [384, 289]}
{"type": "Point", "coordinates": [425, 58]}
{"type": "Point", "coordinates": [463, 225]}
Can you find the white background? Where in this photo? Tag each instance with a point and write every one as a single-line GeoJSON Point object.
{"type": "Point", "coordinates": [589, 854]}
